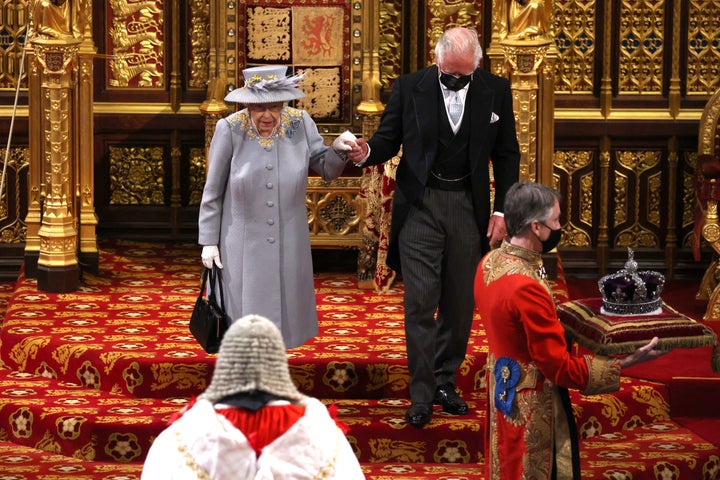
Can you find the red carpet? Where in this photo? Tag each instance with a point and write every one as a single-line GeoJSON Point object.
{"type": "Point", "coordinates": [88, 379]}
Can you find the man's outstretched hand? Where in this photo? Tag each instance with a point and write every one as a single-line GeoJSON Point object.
{"type": "Point", "coordinates": [643, 354]}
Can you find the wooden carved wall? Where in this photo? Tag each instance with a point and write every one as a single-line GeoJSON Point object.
{"type": "Point", "coordinates": [630, 82]}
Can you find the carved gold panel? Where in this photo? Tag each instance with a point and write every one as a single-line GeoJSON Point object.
{"type": "Point", "coordinates": [13, 20]}
{"type": "Point", "coordinates": [441, 15]}
{"type": "Point", "coordinates": [136, 176]}
{"type": "Point", "coordinates": [13, 200]}
{"type": "Point", "coordinates": [703, 62]}
{"type": "Point", "coordinates": [334, 212]}
{"type": "Point", "coordinates": [574, 23]}
{"type": "Point", "coordinates": [703, 50]}
{"type": "Point", "coordinates": [688, 197]}
{"type": "Point", "coordinates": [199, 43]}
{"type": "Point", "coordinates": [637, 198]}
{"type": "Point", "coordinates": [391, 36]}
{"type": "Point", "coordinates": [573, 175]}
{"type": "Point", "coordinates": [641, 46]}
{"type": "Point", "coordinates": [135, 40]}
{"type": "Point", "coordinates": [196, 176]}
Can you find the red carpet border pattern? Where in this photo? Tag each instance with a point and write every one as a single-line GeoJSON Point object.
{"type": "Point", "coordinates": [88, 379]}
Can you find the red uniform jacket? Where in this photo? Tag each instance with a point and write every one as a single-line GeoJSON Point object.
{"type": "Point", "coordinates": [527, 342]}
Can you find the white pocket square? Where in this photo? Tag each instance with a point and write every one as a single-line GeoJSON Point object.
{"type": "Point", "coordinates": [494, 117]}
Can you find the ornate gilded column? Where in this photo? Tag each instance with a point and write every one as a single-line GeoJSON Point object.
{"type": "Point", "coordinates": [61, 217]}
{"type": "Point", "coordinates": [671, 239]}
{"type": "Point", "coordinates": [214, 107]}
{"type": "Point", "coordinates": [84, 165]}
{"type": "Point", "coordinates": [603, 239]}
{"type": "Point", "coordinates": [56, 60]}
{"type": "Point", "coordinates": [523, 50]}
{"type": "Point", "coordinates": [675, 90]}
{"type": "Point", "coordinates": [494, 54]}
{"type": "Point", "coordinates": [532, 107]}
{"type": "Point", "coordinates": [36, 191]}
{"type": "Point", "coordinates": [606, 80]}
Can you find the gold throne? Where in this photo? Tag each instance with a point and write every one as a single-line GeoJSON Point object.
{"type": "Point", "coordinates": [707, 195]}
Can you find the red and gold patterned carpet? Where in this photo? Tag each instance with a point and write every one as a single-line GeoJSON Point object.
{"type": "Point", "coordinates": [88, 379]}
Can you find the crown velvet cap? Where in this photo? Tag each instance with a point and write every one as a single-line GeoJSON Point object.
{"type": "Point", "coordinates": [267, 84]}
{"type": "Point", "coordinates": [631, 292]}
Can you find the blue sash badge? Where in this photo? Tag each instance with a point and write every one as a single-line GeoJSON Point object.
{"type": "Point", "coordinates": [507, 375]}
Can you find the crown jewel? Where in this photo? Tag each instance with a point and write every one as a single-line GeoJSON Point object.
{"type": "Point", "coordinates": [631, 292]}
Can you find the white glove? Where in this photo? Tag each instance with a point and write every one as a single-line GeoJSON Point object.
{"type": "Point", "coordinates": [211, 254]}
{"type": "Point", "coordinates": [340, 144]}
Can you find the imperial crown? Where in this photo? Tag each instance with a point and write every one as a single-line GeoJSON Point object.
{"type": "Point", "coordinates": [631, 292]}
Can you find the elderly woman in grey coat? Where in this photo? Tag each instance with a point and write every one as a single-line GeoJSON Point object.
{"type": "Point", "coordinates": [253, 219]}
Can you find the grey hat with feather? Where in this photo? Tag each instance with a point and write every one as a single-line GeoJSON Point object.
{"type": "Point", "coordinates": [252, 358]}
{"type": "Point", "coordinates": [267, 84]}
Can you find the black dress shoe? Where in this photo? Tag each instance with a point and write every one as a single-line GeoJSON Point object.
{"type": "Point", "coordinates": [451, 402]}
{"type": "Point", "coordinates": [419, 414]}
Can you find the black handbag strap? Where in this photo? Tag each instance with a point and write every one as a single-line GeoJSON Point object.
{"type": "Point", "coordinates": [216, 273]}
{"type": "Point", "coordinates": [203, 282]}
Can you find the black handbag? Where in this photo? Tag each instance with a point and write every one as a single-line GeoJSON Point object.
{"type": "Point", "coordinates": [209, 322]}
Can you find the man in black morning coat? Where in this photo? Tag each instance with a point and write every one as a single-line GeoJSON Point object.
{"type": "Point", "coordinates": [441, 217]}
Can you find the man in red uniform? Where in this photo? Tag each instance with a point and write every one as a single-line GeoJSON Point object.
{"type": "Point", "coordinates": [531, 429]}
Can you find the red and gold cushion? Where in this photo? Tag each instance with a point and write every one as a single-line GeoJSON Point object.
{"type": "Point", "coordinates": [622, 334]}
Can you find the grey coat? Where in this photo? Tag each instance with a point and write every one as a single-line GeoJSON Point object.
{"type": "Point", "coordinates": [253, 208]}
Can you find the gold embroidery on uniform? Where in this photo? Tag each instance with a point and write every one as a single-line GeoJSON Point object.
{"type": "Point", "coordinates": [532, 409]}
{"type": "Point", "coordinates": [538, 433]}
{"type": "Point", "coordinates": [514, 260]}
{"type": "Point", "coordinates": [604, 375]}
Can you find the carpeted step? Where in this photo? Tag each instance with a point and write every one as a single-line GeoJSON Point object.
{"type": "Point", "coordinates": [95, 374]}
{"type": "Point", "coordinates": [378, 433]}
{"type": "Point", "coordinates": [707, 428]}
{"type": "Point", "coordinates": [638, 402]}
{"type": "Point", "coordinates": [124, 331]}
{"type": "Point", "coordinates": [20, 462]}
{"type": "Point", "coordinates": [650, 452]}
{"type": "Point", "coordinates": [74, 421]}
{"type": "Point", "coordinates": [369, 362]}
{"type": "Point", "coordinates": [686, 391]}
{"type": "Point", "coordinates": [143, 347]}
{"type": "Point", "coordinates": [423, 471]}
{"type": "Point", "coordinates": [360, 351]}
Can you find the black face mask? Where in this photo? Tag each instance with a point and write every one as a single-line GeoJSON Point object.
{"type": "Point", "coordinates": [454, 83]}
{"type": "Point", "coordinates": [552, 241]}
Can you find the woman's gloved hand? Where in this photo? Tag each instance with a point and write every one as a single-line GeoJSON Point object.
{"type": "Point", "coordinates": [344, 142]}
{"type": "Point", "coordinates": [211, 255]}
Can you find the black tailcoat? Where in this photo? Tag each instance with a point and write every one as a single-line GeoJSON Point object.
{"type": "Point", "coordinates": [411, 119]}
